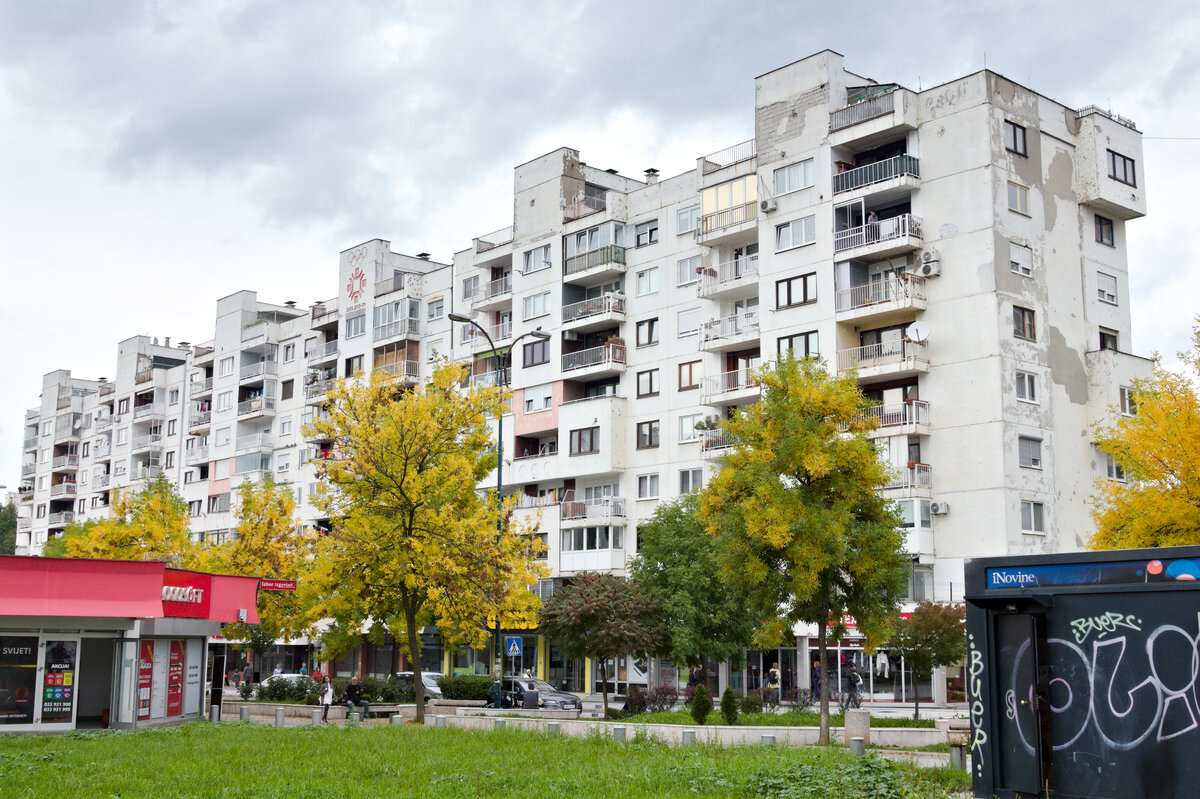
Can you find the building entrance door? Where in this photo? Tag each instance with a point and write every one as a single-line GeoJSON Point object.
{"type": "Point", "coordinates": [1025, 727]}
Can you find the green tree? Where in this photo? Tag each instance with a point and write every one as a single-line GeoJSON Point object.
{"type": "Point", "coordinates": [603, 617]}
{"type": "Point", "coordinates": [729, 706]}
{"type": "Point", "coordinates": [1156, 443]}
{"type": "Point", "coordinates": [934, 635]}
{"type": "Point", "coordinates": [413, 541]}
{"type": "Point", "coordinates": [809, 536]}
{"type": "Point", "coordinates": [680, 567]}
{"type": "Point", "coordinates": [8, 529]}
{"type": "Point", "coordinates": [701, 706]}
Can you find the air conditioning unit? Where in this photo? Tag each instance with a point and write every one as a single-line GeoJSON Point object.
{"type": "Point", "coordinates": [929, 269]}
{"type": "Point", "coordinates": [767, 205]}
{"type": "Point", "coordinates": [929, 255]}
{"type": "Point", "coordinates": [939, 508]}
{"type": "Point", "coordinates": [571, 335]}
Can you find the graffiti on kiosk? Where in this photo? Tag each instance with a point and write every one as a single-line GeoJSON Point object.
{"type": "Point", "coordinates": [975, 674]}
{"type": "Point", "coordinates": [1103, 624]}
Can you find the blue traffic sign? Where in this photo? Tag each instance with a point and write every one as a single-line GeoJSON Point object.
{"type": "Point", "coordinates": [513, 646]}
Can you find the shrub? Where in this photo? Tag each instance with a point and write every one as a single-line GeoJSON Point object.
{"type": "Point", "coordinates": [702, 705]}
{"type": "Point", "coordinates": [800, 698]}
{"type": "Point", "coordinates": [616, 714]}
{"type": "Point", "coordinates": [274, 691]}
{"type": "Point", "coordinates": [729, 706]}
{"type": "Point", "coordinates": [246, 691]}
{"type": "Point", "coordinates": [635, 700]}
{"type": "Point", "coordinates": [465, 688]}
{"type": "Point", "coordinates": [689, 694]}
{"type": "Point", "coordinates": [661, 698]}
{"type": "Point", "coordinates": [398, 691]}
{"type": "Point", "coordinates": [751, 703]}
{"type": "Point", "coordinates": [372, 688]}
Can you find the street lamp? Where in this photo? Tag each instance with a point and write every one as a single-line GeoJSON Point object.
{"type": "Point", "coordinates": [540, 335]}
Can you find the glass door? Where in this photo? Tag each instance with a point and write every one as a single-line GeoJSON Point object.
{"type": "Point", "coordinates": [59, 683]}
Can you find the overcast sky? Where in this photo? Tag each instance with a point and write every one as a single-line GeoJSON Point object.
{"type": "Point", "coordinates": [156, 156]}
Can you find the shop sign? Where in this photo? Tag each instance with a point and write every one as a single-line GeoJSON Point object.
{"type": "Point", "coordinates": [145, 678]}
{"type": "Point", "coordinates": [18, 678]}
{"type": "Point", "coordinates": [58, 684]}
{"type": "Point", "coordinates": [268, 584]}
{"type": "Point", "coordinates": [186, 594]}
{"type": "Point", "coordinates": [175, 680]}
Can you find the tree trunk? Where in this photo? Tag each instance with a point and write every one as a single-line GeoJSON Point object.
{"type": "Point", "coordinates": [916, 696]}
{"type": "Point", "coordinates": [604, 686]}
{"type": "Point", "coordinates": [822, 649]}
{"type": "Point", "coordinates": [410, 622]}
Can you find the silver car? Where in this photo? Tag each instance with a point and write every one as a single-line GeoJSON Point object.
{"type": "Point", "coordinates": [429, 678]}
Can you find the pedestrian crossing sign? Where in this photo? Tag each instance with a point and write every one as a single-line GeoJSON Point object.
{"type": "Point", "coordinates": [513, 647]}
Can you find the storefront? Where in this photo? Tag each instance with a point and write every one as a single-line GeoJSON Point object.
{"type": "Point", "coordinates": [108, 643]}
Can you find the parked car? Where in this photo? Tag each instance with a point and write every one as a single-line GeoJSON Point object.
{"type": "Point", "coordinates": [429, 678]}
{"type": "Point", "coordinates": [288, 677]}
{"type": "Point", "coordinates": [549, 697]}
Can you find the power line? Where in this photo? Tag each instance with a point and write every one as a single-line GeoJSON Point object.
{"type": "Point", "coordinates": [1174, 138]}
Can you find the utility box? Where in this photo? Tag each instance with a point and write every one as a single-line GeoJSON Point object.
{"type": "Point", "coordinates": [1083, 674]}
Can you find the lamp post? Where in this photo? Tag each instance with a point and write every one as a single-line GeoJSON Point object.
{"type": "Point", "coordinates": [540, 335]}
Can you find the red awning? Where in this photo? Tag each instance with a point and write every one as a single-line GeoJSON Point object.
{"type": "Point", "coordinates": [231, 594]}
{"type": "Point", "coordinates": [77, 587]}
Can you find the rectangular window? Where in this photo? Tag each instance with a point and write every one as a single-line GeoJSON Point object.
{"type": "Point", "coordinates": [195, 507]}
{"type": "Point", "coordinates": [1106, 288]}
{"type": "Point", "coordinates": [218, 503]}
{"type": "Point", "coordinates": [225, 401]}
{"type": "Point", "coordinates": [1018, 198]}
{"type": "Point", "coordinates": [356, 325]}
{"type": "Point", "coordinates": [689, 322]}
{"type": "Point", "coordinates": [537, 352]}
{"type": "Point", "coordinates": [537, 259]}
{"type": "Point", "coordinates": [434, 350]}
{"type": "Point", "coordinates": [1108, 339]}
{"type": "Point", "coordinates": [470, 285]}
{"type": "Point", "coordinates": [687, 220]}
{"type": "Point", "coordinates": [690, 480]}
{"type": "Point", "coordinates": [122, 407]}
{"type": "Point", "coordinates": [647, 281]}
{"type": "Point", "coordinates": [122, 436]}
{"type": "Point", "coordinates": [354, 365]}
{"type": "Point", "coordinates": [289, 353]}
{"type": "Point", "coordinates": [538, 398]}
{"type": "Point", "coordinates": [1128, 403]}
{"type": "Point", "coordinates": [797, 290]}
{"type": "Point", "coordinates": [1114, 470]}
{"type": "Point", "coordinates": [1104, 230]}
{"type": "Point", "coordinates": [1029, 451]}
{"type": "Point", "coordinates": [646, 233]}
{"type": "Point", "coordinates": [647, 434]}
{"type": "Point", "coordinates": [222, 437]}
{"type": "Point", "coordinates": [647, 383]}
{"type": "Point", "coordinates": [87, 445]}
{"type": "Point", "coordinates": [436, 308]}
{"type": "Point", "coordinates": [1027, 387]}
{"type": "Point", "coordinates": [1032, 518]}
{"type": "Point", "coordinates": [1014, 138]}
{"type": "Point", "coordinates": [796, 233]}
{"type": "Point", "coordinates": [794, 177]}
{"type": "Point", "coordinates": [689, 375]}
{"type": "Point", "coordinates": [173, 397]}
{"type": "Point", "coordinates": [687, 271]}
{"type": "Point", "coordinates": [226, 368]}
{"type": "Point", "coordinates": [585, 440]}
{"type": "Point", "coordinates": [285, 426]}
{"type": "Point", "coordinates": [647, 332]}
{"type": "Point", "coordinates": [1121, 169]}
{"type": "Point", "coordinates": [687, 426]}
{"type": "Point", "coordinates": [802, 345]}
{"type": "Point", "coordinates": [170, 428]}
{"type": "Point", "coordinates": [647, 486]}
{"type": "Point", "coordinates": [287, 389]}
{"type": "Point", "coordinates": [536, 305]}
{"type": "Point", "coordinates": [1024, 325]}
{"type": "Point", "coordinates": [169, 460]}
{"type": "Point", "coordinates": [1020, 259]}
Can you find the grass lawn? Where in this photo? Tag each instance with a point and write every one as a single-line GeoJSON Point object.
{"type": "Point", "coordinates": [255, 760]}
{"type": "Point", "coordinates": [792, 718]}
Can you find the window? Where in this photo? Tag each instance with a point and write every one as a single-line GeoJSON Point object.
{"type": "Point", "coordinates": [1029, 451]}
{"type": "Point", "coordinates": [802, 345]}
{"type": "Point", "coordinates": [1033, 518]}
{"type": "Point", "coordinates": [647, 332]}
{"type": "Point", "coordinates": [796, 233]}
{"type": "Point", "coordinates": [585, 440]}
{"type": "Point", "coordinates": [647, 281]}
{"type": "Point", "coordinates": [647, 383]}
{"type": "Point", "coordinates": [289, 353]}
{"type": "Point", "coordinates": [287, 389]}
{"type": "Point", "coordinates": [583, 538]}
{"type": "Point", "coordinates": [1018, 198]}
{"type": "Point", "coordinates": [195, 507]}
{"type": "Point", "coordinates": [1014, 138]}
{"type": "Point", "coordinates": [122, 436]}
{"type": "Point", "coordinates": [436, 308]}
{"type": "Point", "coordinates": [1020, 259]}
{"type": "Point", "coordinates": [647, 486]}
{"type": "Point", "coordinates": [690, 480]}
{"type": "Point", "coordinates": [222, 437]}
{"type": "Point", "coordinates": [1108, 339]}
{"type": "Point", "coordinates": [434, 349]}
{"type": "Point", "coordinates": [173, 397]}
{"type": "Point", "coordinates": [1023, 323]}
{"type": "Point", "coordinates": [470, 286]}
{"type": "Point", "coordinates": [647, 434]}
{"type": "Point", "coordinates": [537, 259]}
{"type": "Point", "coordinates": [41, 511]}
{"type": "Point", "coordinates": [82, 505]}
{"type": "Point", "coordinates": [794, 177]}
{"type": "Point", "coordinates": [218, 503]}
{"type": "Point", "coordinates": [1027, 387]}
{"type": "Point", "coordinates": [687, 427]}
{"type": "Point", "coordinates": [1114, 470]}
{"type": "Point", "coordinates": [538, 398]}
{"type": "Point", "coordinates": [689, 322]}
{"type": "Point", "coordinates": [170, 428]}
{"type": "Point", "coordinates": [1106, 288]}
{"type": "Point", "coordinates": [48, 427]}
{"type": "Point", "coordinates": [687, 220]}
{"type": "Point", "coordinates": [537, 352]}
{"type": "Point", "coordinates": [356, 325]}
{"type": "Point", "coordinates": [536, 305]}
{"type": "Point", "coordinates": [285, 426]}
{"type": "Point", "coordinates": [796, 290]}
{"type": "Point", "coordinates": [689, 375]}
{"type": "Point", "coordinates": [1104, 230]}
{"type": "Point", "coordinates": [169, 460]}
{"type": "Point", "coordinates": [1127, 401]}
{"type": "Point", "coordinates": [87, 446]}
{"type": "Point", "coordinates": [225, 401]}
{"type": "Point", "coordinates": [645, 233]}
{"type": "Point", "coordinates": [1121, 169]}
{"type": "Point", "coordinates": [687, 271]}
{"type": "Point", "coordinates": [226, 369]}
{"type": "Point", "coordinates": [354, 365]}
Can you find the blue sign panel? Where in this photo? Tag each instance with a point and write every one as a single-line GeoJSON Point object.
{"type": "Point", "coordinates": [512, 646]}
{"type": "Point", "coordinates": [1112, 573]}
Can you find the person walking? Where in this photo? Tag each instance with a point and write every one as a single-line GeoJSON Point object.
{"type": "Point", "coordinates": [773, 680]}
{"type": "Point", "coordinates": [325, 694]}
{"type": "Point", "coordinates": [815, 681]}
{"type": "Point", "coordinates": [278, 670]}
{"type": "Point", "coordinates": [850, 683]}
{"type": "Point", "coordinates": [248, 673]}
{"type": "Point", "coordinates": [355, 698]}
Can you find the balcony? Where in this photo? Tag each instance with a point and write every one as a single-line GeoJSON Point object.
{"type": "Point", "coordinates": [61, 490]}
{"type": "Point", "coordinates": [151, 410]}
{"type": "Point", "coordinates": [100, 482]}
{"type": "Point", "coordinates": [584, 206]}
{"type": "Point", "coordinates": [730, 332]}
{"type": "Point", "coordinates": [101, 451]}
{"type": "Point", "coordinates": [104, 423]}
{"type": "Point", "coordinates": [595, 362]}
{"type": "Point", "coordinates": [489, 379]}
{"type": "Point", "coordinates": [729, 223]}
{"type": "Point", "coordinates": [404, 371]}
{"type": "Point", "coordinates": [727, 157]}
{"type": "Point", "coordinates": [892, 359]}
{"type": "Point", "coordinates": [315, 392]}
{"type": "Point", "coordinates": [255, 408]}
{"type": "Point", "coordinates": [892, 299]}
{"type": "Point", "coordinates": [320, 353]}
{"type": "Point", "coordinates": [713, 443]}
{"type": "Point", "coordinates": [592, 511]}
{"type": "Point", "coordinates": [257, 372]}
{"type": "Point", "coordinates": [387, 286]}
{"type": "Point", "coordinates": [28, 469]}
{"type": "Point", "coordinates": [903, 170]}
{"type": "Point", "coordinates": [729, 388]}
{"type": "Point", "coordinates": [876, 119]}
{"type": "Point", "coordinates": [147, 473]}
{"type": "Point", "coordinates": [258, 441]}
{"type": "Point", "coordinates": [594, 267]}
{"type": "Point", "coordinates": [151, 441]}
{"type": "Point", "coordinates": [24, 524]}
{"type": "Point", "coordinates": [914, 477]}
{"type": "Point", "coordinates": [30, 444]}
{"type": "Point", "coordinates": [324, 314]}
{"type": "Point", "coordinates": [893, 236]}
{"type": "Point", "coordinates": [65, 463]}
{"type": "Point", "coordinates": [200, 387]}
{"type": "Point", "coordinates": [499, 332]}
{"type": "Point", "coordinates": [25, 493]}
{"type": "Point", "coordinates": [910, 417]}
{"type": "Point", "coordinates": [594, 314]}
{"type": "Point", "coordinates": [61, 519]}
{"type": "Point", "coordinates": [734, 278]}
{"type": "Point", "coordinates": [199, 420]}
{"type": "Point", "coordinates": [493, 295]}
{"type": "Point", "coordinates": [401, 328]}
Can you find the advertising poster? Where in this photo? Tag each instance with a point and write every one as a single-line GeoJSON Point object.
{"type": "Point", "coordinates": [18, 678]}
{"type": "Point", "coordinates": [58, 685]}
{"type": "Point", "coordinates": [145, 679]}
{"type": "Point", "coordinates": [158, 685]}
{"type": "Point", "coordinates": [175, 680]}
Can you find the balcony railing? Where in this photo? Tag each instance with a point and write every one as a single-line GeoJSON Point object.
{"type": "Point", "coordinates": [492, 290]}
{"type": "Point", "coordinates": [259, 369]}
{"type": "Point", "coordinates": [890, 289]}
{"type": "Point", "coordinates": [721, 276]}
{"type": "Point", "coordinates": [584, 206]}
{"type": "Point", "coordinates": [609, 303]}
{"type": "Point", "coordinates": [401, 327]}
{"type": "Point", "coordinates": [63, 490]}
{"type": "Point", "coordinates": [602, 508]}
{"type": "Point", "coordinates": [256, 405]}
{"type": "Point", "coordinates": [30, 444]}
{"type": "Point", "coordinates": [321, 352]}
{"type": "Point", "coordinates": [728, 157]}
{"type": "Point", "coordinates": [200, 419]}
{"type": "Point", "coordinates": [201, 386]}
{"type": "Point", "coordinates": [726, 382]}
{"type": "Point", "coordinates": [742, 324]}
{"type": "Point", "coordinates": [402, 369]}
{"type": "Point", "coordinates": [545, 501]}
{"type": "Point", "coordinates": [24, 523]}
{"type": "Point", "coordinates": [914, 475]}
{"type": "Point", "coordinates": [728, 217]}
{"type": "Point", "coordinates": [67, 461]}
{"type": "Point", "coordinates": [256, 441]}
{"type": "Point", "coordinates": [28, 469]}
{"type": "Point", "coordinates": [596, 356]}
{"type": "Point", "coordinates": [393, 283]}
{"type": "Point", "coordinates": [147, 473]}
{"type": "Point", "coordinates": [149, 409]}
{"type": "Point", "coordinates": [906, 415]}
{"type": "Point", "coordinates": [147, 441]}
{"type": "Point", "coordinates": [61, 518]}
{"type": "Point", "coordinates": [888, 353]}
{"type": "Point", "coordinates": [610, 254]}
{"type": "Point", "coordinates": [101, 452]}
{"type": "Point", "coordinates": [100, 481]}
{"type": "Point", "coordinates": [712, 441]}
{"type": "Point", "coordinates": [315, 389]}
{"type": "Point", "coordinates": [894, 167]}
{"type": "Point", "coordinates": [896, 227]}
{"type": "Point", "coordinates": [489, 379]}
{"type": "Point", "coordinates": [104, 423]}
{"type": "Point", "coordinates": [862, 111]}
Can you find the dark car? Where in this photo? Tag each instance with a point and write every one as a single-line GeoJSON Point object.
{"type": "Point", "coordinates": [549, 697]}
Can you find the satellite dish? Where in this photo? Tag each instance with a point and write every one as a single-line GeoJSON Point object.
{"type": "Point", "coordinates": [917, 332]}
{"type": "Point", "coordinates": [78, 424]}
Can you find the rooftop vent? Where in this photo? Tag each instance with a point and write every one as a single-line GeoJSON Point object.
{"type": "Point", "coordinates": [424, 256]}
{"type": "Point", "coordinates": [611, 171]}
{"type": "Point", "coordinates": [290, 303]}
{"type": "Point", "coordinates": [652, 175]}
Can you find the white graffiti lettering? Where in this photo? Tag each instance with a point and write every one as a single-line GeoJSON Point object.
{"type": "Point", "coordinates": [1103, 624]}
{"type": "Point", "coordinates": [975, 673]}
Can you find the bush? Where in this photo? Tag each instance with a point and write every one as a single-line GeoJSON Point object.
{"type": "Point", "coordinates": [661, 698]}
{"type": "Point", "coordinates": [465, 688]}
{"type": "Point", "coordinates": [616, 714]}
{"type": "Point", "coordinates": [751, 703]}
{"type": "Point", "coordinates": [246, 691]}
{"type": "Point", "coordinates": [702, 705]}
{"type": "Point", "coordinates": [398, 691]}
{"type": "Point", "coordinates": [729, 706]}
{"type": "Point", "coordinates": [799, 698]}
{"type": "Point", "coordinates": [689, 694]}
{"type": "Point", "coordinates": [635, 700]}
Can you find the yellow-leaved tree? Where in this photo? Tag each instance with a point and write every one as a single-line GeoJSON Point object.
{"type": "Point", "coordinates": [413, 540]}
{"type": "Point", "coordinates": [1156, 446]}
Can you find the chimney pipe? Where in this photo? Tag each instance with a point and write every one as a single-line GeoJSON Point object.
{"type": "Point", "coordinates": [651, 175]}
